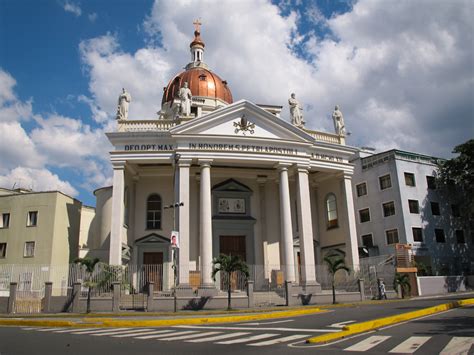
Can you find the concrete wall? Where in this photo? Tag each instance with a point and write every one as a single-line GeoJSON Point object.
{"type": "Point", "coordinates": [3, 304]}
{"type": "Point", "coordinates": [435, 285]}
{"type": "Point", "coordinates": [196, 303]}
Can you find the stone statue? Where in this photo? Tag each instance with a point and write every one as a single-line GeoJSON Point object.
{"type": "Point", "coordinates": [123, 103]}
{"type": "Point", "coordinates": [295, 112]}
{"type": "Point", "coordinates": [338, 118]}
{"type": "Point", "coordinates": [185, 96]}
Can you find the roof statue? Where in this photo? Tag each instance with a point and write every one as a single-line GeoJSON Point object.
{"type": "Point", "coordinates": [338, 119]}
{"type": "Point", "coordinates": [295, 112]}
{"type": "Point", "coordinates": [123, 104]}
{"type": "Point", "coordinates": [185, 96]}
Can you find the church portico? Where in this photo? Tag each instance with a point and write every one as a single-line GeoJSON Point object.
{"type": "Point", "coordinates": [234, 179]}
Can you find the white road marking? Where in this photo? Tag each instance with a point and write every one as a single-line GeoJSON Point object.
{"type": "Point", "coordinates": [79, 330]}
{"type": "Point", "coordinates": [280, 340]}
{"type": "Point", "coordinates": [190, 336]}
{"type": "Point", "coordinates": [341, 324]}
{"type": "Point", "coordinates": [458, 346]}
{"type": "Point", "coordinates": [120, 332]}
{"type": "Point", "coordinates": [259, 328]}
{"type": "Point", "coordinates": [410, 345]}
{"type": "Point", "coordinates": [50, 329]}
{"type": "Point", "coordinates": [248, 339]}
{"type": "Point", "coordinates": [96, 331]}
{"type": "Point", "coordinates": [142, 333]}
{"type": "Point", "coordinates": [169, 332]}
{"type": "Point", "coordinates": [217, 337]}
{"type": "Point", "coordinates": [368, 343]}
{"type": "Point", "coordinates": [276, 322]}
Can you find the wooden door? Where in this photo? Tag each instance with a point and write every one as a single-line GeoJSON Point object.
{"type": "Point", "coordinates": [233, 245]}
{"type": "Point", "coordinates": [153, 269]}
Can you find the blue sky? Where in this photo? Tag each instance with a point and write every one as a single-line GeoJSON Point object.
{"type": "Point", "coordinates": [402, 71]}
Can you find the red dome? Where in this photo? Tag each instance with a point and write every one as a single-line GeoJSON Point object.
{"type": "Point", "coordinates": [201, 82]}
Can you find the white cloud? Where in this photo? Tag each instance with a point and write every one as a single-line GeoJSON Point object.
{"type": "Point", "coordinates": [36, 180]}
{"type": "Point", "coordinates": [73, 8]}
{"type": "Point", "coordinates": [92, 17]}
{"type": "Point", "coordinates": [11, 108]}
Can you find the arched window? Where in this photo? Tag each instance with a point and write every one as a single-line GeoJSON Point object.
{"type": "Point", "coordinates": [331, 211]}
{"type": "Point", "coordinates": [153, 212]}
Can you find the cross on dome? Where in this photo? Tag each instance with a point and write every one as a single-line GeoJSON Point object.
{"type": "Point", "coordinates": [197, 45]}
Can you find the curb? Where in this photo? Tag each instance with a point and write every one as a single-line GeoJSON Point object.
{"type": "Point", "coordinates": [104, 323]}
{"type": "Point", "coordinates": [382, 322]}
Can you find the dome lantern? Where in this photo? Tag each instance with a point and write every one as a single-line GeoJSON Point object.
{"type": "Point", "coordinates": [197, 45]}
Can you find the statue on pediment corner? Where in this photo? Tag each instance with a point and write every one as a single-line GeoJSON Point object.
{"type": "Point", "coordinates": [123, 103]}
{"type": "Point", "coordinates": [296, 112]}
{"type": "Point", "coordinates": [338, 119]}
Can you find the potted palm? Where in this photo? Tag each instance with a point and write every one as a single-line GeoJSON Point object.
{"type": "Point", "coordinates": [335, 261]}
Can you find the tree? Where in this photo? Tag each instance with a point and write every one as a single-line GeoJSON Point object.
{"type": "Point", "coordinates": [335, 262]}
{"type": "Point", "coordinates": [89, 264]}
{"type": "Point", "coordinates": [458, 172]}
{"type": "Point", "coordinates": [229, 264]}
{"type": "Point", "coordinates": [402, 280]}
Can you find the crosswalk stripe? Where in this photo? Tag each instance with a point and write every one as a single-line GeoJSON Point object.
{"type": "Point", "coordinates": [169, 332]}
{"type": "Point", "coordinates": [217, 337]}
{"type": "Point", "coordinates": [50, 329]}
{"type": "Point", "coordinates": [95, 331]}
{"type": "Point", "coordinates": [248, 339]}
{"type": "Point", "coordinates": [410, 345]}
{"type": "Point", "coordinates": [280, 340]}
{"type": "Point", "coordinates": [458, 346]}
{"type": "Point", "coordinates": [368, 343]}
{"type": "Point", "coordinates": [141, 334]}
{"type": "Point", "coordinates": [75, 330]}
{"type": "Point", "coordinates": [120, 332]}
{"type": "Point", "coordinates": [190, 336]}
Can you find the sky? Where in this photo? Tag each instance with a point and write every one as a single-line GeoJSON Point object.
{"type": "Point", "coordinates": [402, 72]}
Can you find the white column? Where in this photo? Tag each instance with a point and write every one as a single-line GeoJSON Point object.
{"type": "Point", "coordinates": [115, 249]}
{"type": "Point", "coordinates": [261, 256]}
{"type": "Point", "coordinates": [305, 228]}
{"type": "Point", "coordinates": [352, 252]}
{"type": "Point", "coordinates": [286, 227]}
{"type": "Point", "coordinates": [206, 223]}
{"type": "Point", "coordinates": [183, 220]}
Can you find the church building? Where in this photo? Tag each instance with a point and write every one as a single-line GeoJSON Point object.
{"type": "Point", "coordinates": [228, 177]}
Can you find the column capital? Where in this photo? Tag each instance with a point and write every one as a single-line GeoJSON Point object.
{"type": "Point", "coordinates": [118, 164]}
{"type": "Point", "coordinates": [262, 179]}
{"type": "Point", "coordinates": [205, 162]}
{"type": "Point", "coordinates": [184, 162]}
{"type": "Point", "coordinates": [302, 168]}
{"type": "Point", "coordinates": [347, 175]}
{"type": "Point", "coordinates": [282, 166]}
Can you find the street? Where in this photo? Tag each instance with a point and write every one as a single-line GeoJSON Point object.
{"type": "Point", "coordinates": [451, 331]}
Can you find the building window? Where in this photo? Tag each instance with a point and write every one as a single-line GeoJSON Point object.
{"type": "Point", "coordinates": [331, 209]}
{"type": "Point", "coordinates": [409, 179]}
{"type": "Point", "coordinates": [392, 236]}
{"type": "Point", "coordinates": [32, 219]}
{"type": "Point", "coordinates": [5, 220]}
{"type": "Point", "coordinates": [3, 250]}
{"type": "Point", "coordinates": [388, 209]}
{"type": "Point", "coordinates": [361, 189]}
{"type": "Point", "coordinates": [414, 206]}
{"type": "Point", "coordinates": [460, 236]}
{"type": "Point", "coordinates": [431, 182]}
{"type": "Point", "coordinates": [417, 234]}
{"type": "Point", "coordinates": [29, 251]}
{"type": "Point", "coordinates": [435, 208]}
{"type": "Point", "coordinates": [455, 210]}
{"type": "Point", "coordinates": [367, 241]}
{"type": "Point", "coordinates": [439, 234]}
{"type": "Point", "coordinates": [364, 215]}
{"type": "Point", "coordinates": [385, 182]}
{"type": "Point", "coordinates": [153, 212]}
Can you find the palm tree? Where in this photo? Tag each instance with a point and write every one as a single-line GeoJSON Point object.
{"type": "Point", "coordinates": [335, 262]}
{"type": "Point", "coordinates": [404, 281]}
{"type": "Point", "coordinates": [229, 264]}
{"type": "Point", "coordinates": [89, 264]}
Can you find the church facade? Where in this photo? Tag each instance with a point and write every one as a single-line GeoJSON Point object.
{"type": "Point", "coordinates": [228, 177]}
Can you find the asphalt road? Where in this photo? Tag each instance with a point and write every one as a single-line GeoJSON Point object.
{"type": "Point", "coordinates": [278, 336]}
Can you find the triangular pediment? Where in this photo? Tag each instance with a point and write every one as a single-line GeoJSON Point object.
{"type": "Point", "coordinates": [152, 239]}
{"type": "Point", "coordinates": [242, 119]}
